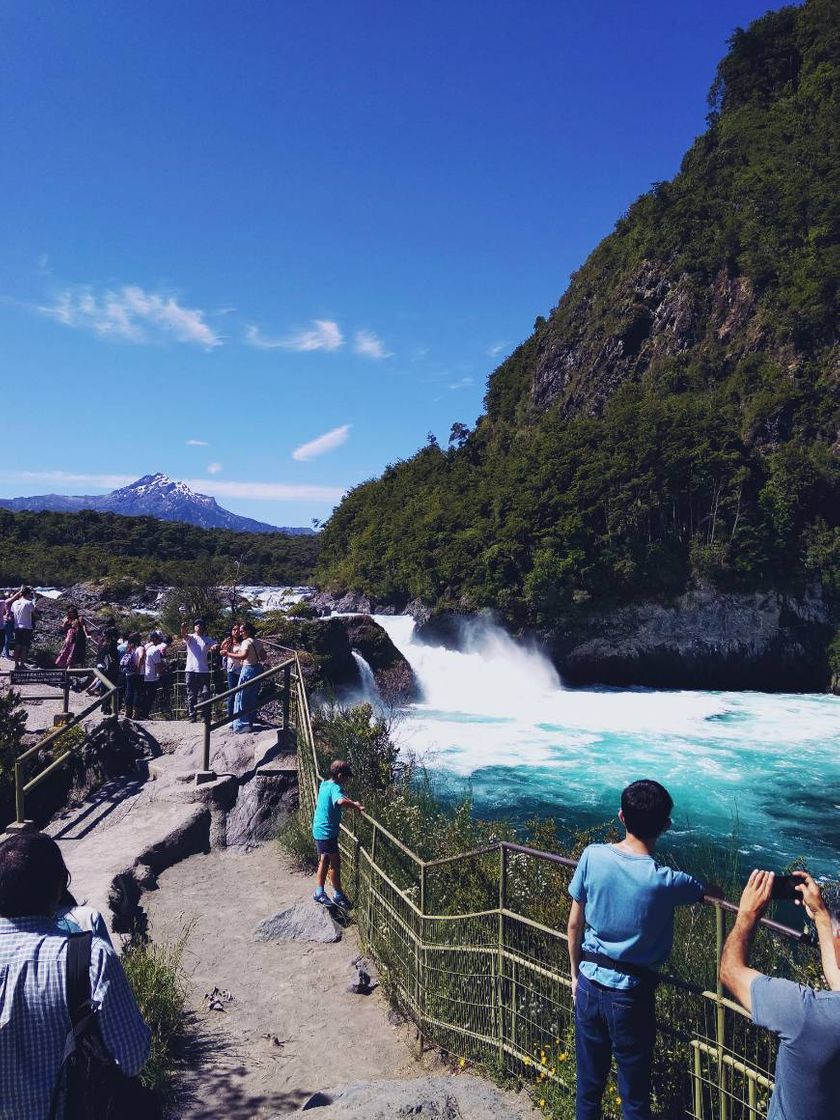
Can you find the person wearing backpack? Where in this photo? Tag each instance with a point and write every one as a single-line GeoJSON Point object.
{"type": "Point", "coordinates": [130, 665]}
{"type": "Point", "coordinates": [51, 983]}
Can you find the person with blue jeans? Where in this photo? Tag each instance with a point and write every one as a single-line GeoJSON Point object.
{"type": "Point", "coordinates": [229, 648]}
{"type": "Point", "coordinates": [326, 824]}
{"type": "Point", "coordinates": [621, 929]}
{"type": "Point", "coordinates": [250, 656]}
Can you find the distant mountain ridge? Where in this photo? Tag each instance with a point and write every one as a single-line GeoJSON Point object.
{"type": "Point", "coordinates": [153, 495]}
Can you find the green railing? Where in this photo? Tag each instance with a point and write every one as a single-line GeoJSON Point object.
{"type": "Point", "coordinates": [58, 746]}
{"type": "Point", "coordinates": [490, 981]}
{"type": "Point", "coordinates": [266, 686]}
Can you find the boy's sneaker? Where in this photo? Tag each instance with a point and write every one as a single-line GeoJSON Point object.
{"type": "Point", "coordinates": [341, 899]}
{"type": "Point", "coordinates": [321, 896]}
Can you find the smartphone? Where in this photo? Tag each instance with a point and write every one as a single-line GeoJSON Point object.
{"type": "Point", "coordinates": [784, 888]}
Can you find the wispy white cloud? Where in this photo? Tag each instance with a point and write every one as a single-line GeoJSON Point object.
{"type": "Point", "coordinates": [495, 349]}
{"type": "Point", "coordinates": [323, 335]}
{"type": "Point", "coordinates": [255, 337]}
{"type": "Point", "coordinates": [131, 314]}
{"type": "Point", "coordinates": [320, 446]}
{"type": "Point", "coordinates": [197, 443]}
{"type": "Point", "coordinates": [370, 345]}
{"type": "Point", "coordinates": [462, 383]}
{"type": "Point", "coordinates": [267, 491]}
{"type": "Point", "coordinates": [214, 468]}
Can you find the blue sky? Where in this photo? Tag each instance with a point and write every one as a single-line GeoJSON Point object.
{"type": "Point", "coordinates": [267, 246]}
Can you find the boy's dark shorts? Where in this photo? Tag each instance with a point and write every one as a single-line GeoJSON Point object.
{"type": "Point", "coordinates": [23, 638]}
{"type": "Point", "coordinates": [327, 847]}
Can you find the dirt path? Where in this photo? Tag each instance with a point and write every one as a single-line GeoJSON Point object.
{"type": "Point", "coordinates": [292, 992]}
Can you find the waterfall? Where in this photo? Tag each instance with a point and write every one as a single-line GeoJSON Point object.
{"type": "Point", "coordinates": [490, 675]}
{"type": "Point", "coordinates": [370, 689]}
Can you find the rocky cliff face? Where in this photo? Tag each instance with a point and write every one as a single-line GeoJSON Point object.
{"type": "Point", "coordinates": [703, 639]}
{"type": "Point", "coordinates": [588, 351]}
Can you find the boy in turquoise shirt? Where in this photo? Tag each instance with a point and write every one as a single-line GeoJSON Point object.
{"type": "Point", "coordinates": [621, 928]}
{"type": "Point", "coordinates": [325, 828]}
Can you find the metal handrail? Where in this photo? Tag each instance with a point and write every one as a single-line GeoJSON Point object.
{"type": "Point", "coordinates": [482, 1008]}
{"type": "Point", "coordinates": [239, 687]}
{"type": "Point", "coordinates": [205, 709]}
{"type": "Point", "coordinates": [22, 787]}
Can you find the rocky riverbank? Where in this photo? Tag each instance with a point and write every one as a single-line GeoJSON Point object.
{"type": "Point", "coordinates": [704, 639]}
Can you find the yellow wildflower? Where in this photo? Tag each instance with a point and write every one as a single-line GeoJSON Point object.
{"type": "Point", "coordinates": [542, 1059]}
{"type": "Point", "coordinates": [527, 1061]}
{"type": "Point", "coordinates": [542, 1102]}
{"type": "Point", "coordinates": [462, 1062]}
{"type": "Point", "coordinates": [563, 1057]}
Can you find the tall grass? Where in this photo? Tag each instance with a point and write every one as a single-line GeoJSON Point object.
{"type": "Point", "coordinates": [159, 983]}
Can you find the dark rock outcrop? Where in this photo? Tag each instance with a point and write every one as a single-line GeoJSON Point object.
{"type": "Point", "coordinates": [703, 639]}
{"type": "Point", "coordinates": [392, 671]}
{"type": "Point", "coordinates": [325, 646]}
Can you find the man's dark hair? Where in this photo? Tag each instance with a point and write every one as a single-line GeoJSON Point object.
{"type": "Point", "coordinates": [32, 876]}
{"type": "Point", "coordinates": [646, 806]}
{"type": "Point", "coordinates": [199, 622]}
{"type": "Point", "coordinates": [339, 769]}
{"type": "Point", "coordinates": [249, 629]}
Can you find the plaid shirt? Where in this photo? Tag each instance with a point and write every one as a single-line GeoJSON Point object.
{"type": "Point", "coordinates": [34, 1019]}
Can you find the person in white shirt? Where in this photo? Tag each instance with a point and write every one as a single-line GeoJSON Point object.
{"type": "Point", "coordinates": [199, 644]}
{"type": "Point", "coordinates": [153, 655]}
{"type": "Point", "coordinates": [23, 612]}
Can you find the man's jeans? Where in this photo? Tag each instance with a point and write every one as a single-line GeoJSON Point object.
{"type": "Point", "coordinates": [197, 684]}
{"type": "Point", "coordinates": [611, 1021]}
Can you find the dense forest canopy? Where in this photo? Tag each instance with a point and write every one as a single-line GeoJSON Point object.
{"type": "Point", "coordinates": [67, 548]}
{"type": "Point", "coordinates": [677, 416]}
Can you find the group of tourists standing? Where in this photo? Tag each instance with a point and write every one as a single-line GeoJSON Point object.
{"type": "Point", "coordinates": [17, 614]}
{"type": "Point", "coordinates": [140, 667]}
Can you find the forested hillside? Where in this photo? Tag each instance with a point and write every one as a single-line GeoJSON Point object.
{"type": "Point", "coordinates": [65, 548]}
{"type": "Point", "coordinates": [676, 418]}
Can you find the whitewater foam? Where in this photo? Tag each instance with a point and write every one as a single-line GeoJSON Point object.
{"type": "Point", "coordinates": [494, 718]}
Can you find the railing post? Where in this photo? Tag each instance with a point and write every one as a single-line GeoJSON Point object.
{"type": "Point", "coordinates": [66, 689]}
{"type": "Point", "coordinates": [720, 1016]}
{"type": "Point", "coordinates": [287, 684]}
{"type": "Point", "coordinates": [500, 1019]}
{"type": "Point", "coordinates": [206, 774]}
{"type": "Point", "coordinates": [370, 885]}
{"type": "Point", "coordinates": [19, 796]}
{"type": "Point", "coordinates": [421, 961]}
{"type": "Point", "coordinates": [698, 1083]}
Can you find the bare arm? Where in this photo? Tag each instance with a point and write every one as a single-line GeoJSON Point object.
{"type": "Point", "coordinates": [735, 971]}
{"type": "Point", "coordinates": [574, 933]}
{"type": "Point", "coordinates": [829, 944]}
{"type": "Point", "coordinates": [348, 801]}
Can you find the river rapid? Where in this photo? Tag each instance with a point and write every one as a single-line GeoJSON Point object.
{"type": "Point", "coordinates": [752, 773]}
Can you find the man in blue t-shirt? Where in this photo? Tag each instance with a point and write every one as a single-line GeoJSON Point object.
{"type": "Point", "coordinates": [325, 828]}
{"type": "Point", "coordinates": [806, 1021]}
{"type": "Point", "coordinates": [621, 929]}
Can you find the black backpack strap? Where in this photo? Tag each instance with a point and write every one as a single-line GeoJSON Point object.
{"type": "Point", "coordinates": [78, 975]}
{"type": "Point", "coordinates": [647, 975]}
{"type": "Point", "coordinates": [77, 982]}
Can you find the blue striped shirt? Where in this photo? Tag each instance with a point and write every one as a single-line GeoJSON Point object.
{"type": "Point", "coordinates": [34, 1019]}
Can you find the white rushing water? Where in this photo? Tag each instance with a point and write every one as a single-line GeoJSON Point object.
{"type": "Point", "coordinates": [494, 719]}
{"type": "Point", "coordinates": [370, 690]}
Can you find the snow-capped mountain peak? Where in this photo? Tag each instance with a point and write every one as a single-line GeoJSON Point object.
{"type": "Point", "coordinates": [153, 495]}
